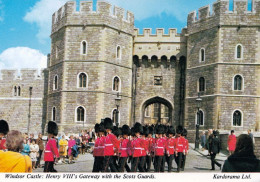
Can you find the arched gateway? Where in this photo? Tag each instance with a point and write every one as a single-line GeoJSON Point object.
{"type": "Point", "coordinates": [157, 110]}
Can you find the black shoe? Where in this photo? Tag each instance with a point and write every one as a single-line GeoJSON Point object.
{"type": "Point", "coordinates": [220, 166]}
{"type": "Point", "coordinates": [212, 169]}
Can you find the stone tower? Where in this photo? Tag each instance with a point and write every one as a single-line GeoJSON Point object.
{"type": "Point", "coordinates": [223, 57]}
{"type": "Point", "coordinates": [90, 63]}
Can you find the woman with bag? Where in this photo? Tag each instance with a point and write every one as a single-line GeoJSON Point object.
{"type": "Point", "coordinates": [63, 148]}
{"type": "Point", "coordinates": [34, 148]}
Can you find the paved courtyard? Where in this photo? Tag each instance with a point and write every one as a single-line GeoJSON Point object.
{"type": "Point", "coordinates": [197, 161]}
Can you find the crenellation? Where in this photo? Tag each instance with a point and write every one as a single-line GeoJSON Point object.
{"type": "Point", "coordinates": [240, 6]}
{"type": "Point", "coordinates": [86, 6]}
{"type": "Point", "coordinates": [130, 16]}
{"type": "Point", "coordinates": [9, 74]}
{"type": "Point", "coordinates": [147, 32]}
{"type": "Point", "coordinates": [23, 74]}
{"type": "Point", "coordinates": [104, 8]}
{"type": "Point", "coordinates": [204, 12]}
{"type": "Point", "coordinates": [191, 17]}
{"type": "Point", "coordinates": [119, 13]}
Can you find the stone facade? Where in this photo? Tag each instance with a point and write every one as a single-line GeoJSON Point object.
{"type": "Point", "coordinates": [152, 69]}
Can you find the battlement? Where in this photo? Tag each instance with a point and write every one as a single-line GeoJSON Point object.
{"type": "Point", "coordinates": [221, 8]}
{"type": "Point", "coordinates": [86, 13]}
{"type": "Point", "coordinates": [23, 74]}
{"type": "Point", "coordinates": [160, 35]}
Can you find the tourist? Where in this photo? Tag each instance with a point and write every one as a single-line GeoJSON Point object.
{"type": "Point", "coordinates": [39, 142]}
{"type": "Point", "coordinates": [63, 148]}
{"type": "Point", "coordinates": [31, 138]}
{"type": "Point", "coordinates": [34, 149]}
{"type": "Point", "coordinates": [51, 151]}
{"type": "Point", "coordinates": [209, 139]}
{"type": "Point", "coordinates": [12, 160]}
{"type": "Point", "coordinates": [71, 143]}
{"type": "Point", "coordinates": [251, 135]}
{"type": "Point", "coordinates": [214, 149]}
{"type": "Point", "coordinates": [26, 147]}
{"type": "Point", "coordinates": [203, 140]}
{"type": "Point", "coordinates": [232, 140]}
{"type": "Point", "coordinates": [243, 159]}
{"type": "Point", "coordinates": [4, 129]}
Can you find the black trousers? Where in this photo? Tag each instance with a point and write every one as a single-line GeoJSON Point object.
{"type": "Point", "coordinates": [183, 162]}
{"type": "Point", "coordinates": [39, 158]}
{"type": "Point", "coordinates": [48, 167]}
{"type": "Point", "coordinates": [213, 161]}
{"type": "Point", "coordinates": [141, 164]}
{"type": "Point", "coordinates": [98, 164]}
{"type": "Point", "coordinates": [158, 161]}
{"type": "Point", "coordinates": [178, 160]}
{"type": "Point", "coordinates": [148, 162]}
{"type": "Point", "coordinates": [163, 163]}
{"type": "Point", "coordinates": [108, 163]}
{"type": "Point", "coordinates": [169, 160]}
{"type": "Point", "coordinates": [122, 164]}
{"type": "Point", "coordinates": [134, 164]}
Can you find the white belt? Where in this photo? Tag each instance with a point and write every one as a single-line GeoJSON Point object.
{"type": "Point", "coordinates": [171, 147]}
{"type": "Point", "coordinates": [47, 151]}
{"type": "Point", "coordinates": [138, 148]}
{"type": "Point", "coordinates": [123, 148]}
{"type": "Point", "coordinates": [180, 145]}
{"type": "Point", "coordinates": [159, 147]}
{"type": "Point", "coordinates": [101, 147]}
{"type": "Point", "coordinates": [108, 144]}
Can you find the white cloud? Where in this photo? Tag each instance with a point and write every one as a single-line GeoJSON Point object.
{"type": "Point", "coordinates": [41, 12]}
{"type": "Point", "coordinates": [22, 57]}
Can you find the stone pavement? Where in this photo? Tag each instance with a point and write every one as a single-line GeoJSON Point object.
{"type": "Point", "coordinates": [197, 161]}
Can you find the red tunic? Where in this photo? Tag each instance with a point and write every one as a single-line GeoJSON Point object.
{"type": "Point", "coordinates": [137, 146]}
{"type": "Point", "coordinates": [232, 140]}
{"type": "Point", "coordinates": [145, 148]}
{"type": "Point", "coordinates": [2, 144]}
{"type": "Point", "coordinates": [171, 146]}
{"type": "Point", "coordinates": [125, 148]}
{"type": "Point", "coordinates": [51, 150]}
{"type": "Point", "coordinates": [180, 144]}
{"type": "Point", "coordinates": [150, 144]}
{"type": "Point", "coordinates": [160, 146]}
{"type": "Point", "coordinates": [96, 148]}
{"type": "Point", "coordinates": [186, 145]}
{"type": "Point", "coordinates": [111, 145]}
{"type": "Point", "coordinates": [101, 147]}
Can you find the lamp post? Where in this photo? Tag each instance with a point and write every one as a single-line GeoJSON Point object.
{"type": "Point", "coordinates": [117, 101]}
{"type": "Point", "coordinates": [198, 102]}
{"type": "Point", "coordinates": [29, 114]}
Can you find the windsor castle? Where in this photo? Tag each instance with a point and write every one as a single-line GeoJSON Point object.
{"type": "Point", "coordinates": [98, 57]}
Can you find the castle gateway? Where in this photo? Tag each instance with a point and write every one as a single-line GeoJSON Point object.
{"type": "Point", "coordinates": [98, 57]}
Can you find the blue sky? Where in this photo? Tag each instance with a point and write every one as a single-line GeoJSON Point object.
{"type": "Point", "coordinates": [25, 25]}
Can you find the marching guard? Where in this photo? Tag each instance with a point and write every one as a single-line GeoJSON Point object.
{"type": "Point", "coordinates": [96, 149]}
{"type": "Point", "coordinates": [159, 148]}
{"type": "Point", "coordinates": [171, 147]}
{"type": "Point", "coordinates": [125, 149]}
{"type": "Point", "coordinates": [179, 148]}
{"type": "Point", "coordinates": [51, 151]}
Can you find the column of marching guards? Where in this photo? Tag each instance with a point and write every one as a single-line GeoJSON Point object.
{"type": "Point", "coordinates": [116, 148]}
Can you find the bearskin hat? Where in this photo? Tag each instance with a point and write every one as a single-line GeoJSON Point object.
{"type": "Point", "coordinates": [108, 123]}
{"type": "Point", "coordinates": [126, 130]}
{"type": "Point", "coordinates": [145, 130]}
{"type": "Point", "coordinates": [138, 128]}
{"type": "Point", "coordinates": [132, 131]}
{"type": "Point", "coordinates": [159, 129]}
{"type": "Point", "coordinates": [101, 127]}
{"type": "Point", "coordinates": [119, 131]}
{"type": "Point", "coordinates": [4, 127]}
{"type": "Point", "coordinates": [179, 130]}
{"type": "Point", "coordinates": [171, 130]}
{"type": "Point", "coordinates": [185, 132]}
{"type": "Point", "coordinates": [215, 133]}
{"type": "Point", "coordinates": [151, 130]}
{"type": "Point", "coordinates": [97, 128]}
{"type": "Point", "coordinates": [52, 128]}
{"type": "Point", "coordinates": [165, 129]}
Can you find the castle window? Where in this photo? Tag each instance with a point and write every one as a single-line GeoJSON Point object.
{"type": "Point", "coordinates": [200, 117]}
{"type": "Point", "coordinates": [237, 118]}
{"type": "Point", "coordinates": [54, 114]}
{"type": "Point", "coordinates": [147, 111]}
{"type": "Point", "coordinates": [239, 52]}
{"type": "Point", "coordinates": [15, 91]}
{"type": "Point", "coordinates": [238, 82]}
{"type": "Point", "coordinates": [158, 80]}
{"type": "Point", "coordinates": [156, 110]}
{"type": "Point", "coordinates": [116, 84]}
{"type": "Point", "coordinates": [201, 84]}
{"type": "Point", "coordinates": [18, 91]}
{"type": "Point", "coordinates": [118, 52]}
{"type": "Point", "coordinates": [166, 111]}
{"type": "Point", "coordinates": [56, 52]}
{"type": "Point", "coordinates": [202, 55]}
{"type": "Point", "coordinates": [84, 47]}
{"type": "Point", "coordinates": [80, 114]}
{"type": "Point", "coordinates": [55, 82]}
{"type": "Point", "coordinates": [82, 80]}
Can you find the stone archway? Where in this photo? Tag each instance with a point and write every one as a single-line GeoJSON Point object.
{"type": "Point", "coordinates": [157, 110]}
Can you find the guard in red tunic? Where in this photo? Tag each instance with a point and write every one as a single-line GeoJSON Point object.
{"type": "Point", "coordinates": [150, 141]}
{"type": "Point", "coordinates": [101, 147]}
{"type": "Point", "coordinates": [118, 133]}
{"type": "Point", "coordinates": [51, 151]}
{"type": "Point", "coordinates": [160, 148]}
{"type": "Point", "coordinates": [186, 149]}
{"type": "Point", "coordinates": [124, 149]}
{"type": "Point", "coordinates": [171, 144]}
{"type": "Point", "coordinates": [144, 153]}
{"type": "Point", "coordinates": [137, 146]}
{"type": "Point", "coordinates": [180, 146]}
{"type": "Point", "coordinates": [111, 146]}
{"type": "Point", "coordinates": [4, 129]}
{"type": "Point", "coordinates": [95, 150]}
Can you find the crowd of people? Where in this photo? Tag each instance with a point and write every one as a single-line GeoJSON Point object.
{"type": "Point", "coordinates": [121, 149]}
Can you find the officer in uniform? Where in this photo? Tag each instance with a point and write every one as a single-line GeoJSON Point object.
{"type": "Point", "coordinates": [150, 141]}
{"type": "Point", "coordinates": [101, 147]}
{"type": "Point", "coordinates": [111, 145]}
{"type": "Point", "coordinates": [186, 148]}
{"type": "Point", "coordinates": [95, 150]}
{"type": "Point", "coordinates": [171, 144]}
{"type": "Point", "coordinates": [179, 147]}
{"type": "Point", "coordinates": [4, 129]}
{"type": "Point", "coordinates": [51, 151]}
